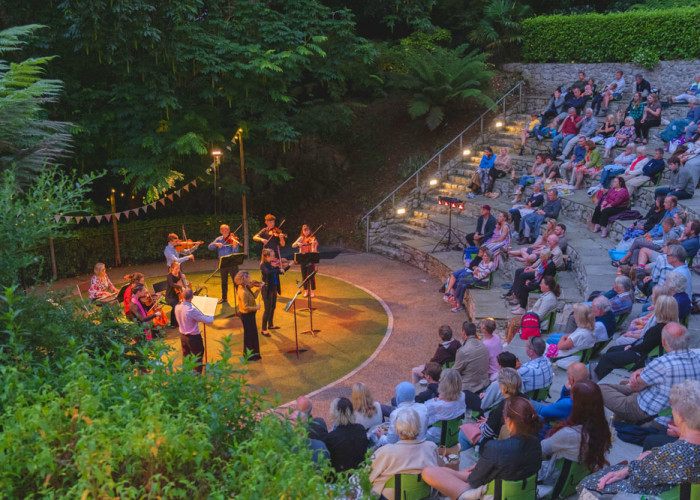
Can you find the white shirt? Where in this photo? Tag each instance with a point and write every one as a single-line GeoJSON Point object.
{"type": "Point", "coordinates": [188, 317]}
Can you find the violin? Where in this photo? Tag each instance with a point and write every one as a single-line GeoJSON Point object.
{"type": "Point", "coordinates": [283, 264]}
{"type": "Point", "coordinates": [275, 231]}
{"type": "Point", "coordinates": [154, 308]}
{"type": "Point", "coordinates": [186, 245]}
{"type": "Point", "coordinates": [232, 240]}
{"type": "Point", "coordinates": [181, 292]}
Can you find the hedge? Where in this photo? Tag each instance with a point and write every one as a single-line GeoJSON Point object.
{"type": "Point", "coordinates": [644, 37]}
{"type": "Point", "coordinates": [140, 242]}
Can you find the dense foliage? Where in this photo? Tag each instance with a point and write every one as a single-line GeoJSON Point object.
{"type": "Point", "coordinates": [90, 411]}
{"type": "Point", "coordinates": [642, 36]}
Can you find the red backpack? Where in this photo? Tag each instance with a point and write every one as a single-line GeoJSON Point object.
{"type": "Point", "coordinates": [530, 326]}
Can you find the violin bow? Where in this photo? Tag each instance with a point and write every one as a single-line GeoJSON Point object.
{"type": "Point", "coordinates": [319, 227]}
{"type": "Point", "coordinates": [233, 233]}
{"type": "Point", "coordinates": [281, 224]}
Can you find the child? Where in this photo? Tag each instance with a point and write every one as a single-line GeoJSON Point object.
{"type": "Point", "coordinates": [479, 277]}
{"type": "Point", "coordinates": [469, 266]}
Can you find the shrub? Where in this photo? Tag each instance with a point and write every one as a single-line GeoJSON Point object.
{"type": "Point", "coordinates": [591, 38]}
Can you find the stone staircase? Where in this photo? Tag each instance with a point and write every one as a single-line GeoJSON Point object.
{"type": "Point", "coordinates": [413, 236]}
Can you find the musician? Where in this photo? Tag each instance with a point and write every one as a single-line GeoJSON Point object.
{"type": "Point", "coordinates": [271, 236]}
{"type": "Point", "coordinates": [137, 311]}
{"type": "Point", "coordinates": [171, 254]}
{"type": "Point", "coordinates": [270, 269]}
{"type": "Point", "coordinates": [176, 287]}
{"type": "Point", "coordinates": [133, 279]}
{"type": "Point", "coordinates": [226, 244]}
{"type": "Point", "coordinates": [248, 308]}
{"type": "Point", "coordinates": [306, 243]}
{"type": "Point", "coordinates": [101, 288]}
{"type": "Point", "coordinates": [189, 317]}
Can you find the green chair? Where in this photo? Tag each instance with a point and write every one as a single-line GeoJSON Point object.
{"type": "Point", "coordinates": [539, 394]}
{"type": "Point", "coordinates": [570, 474]}
{"type": "Point", "coordinates": [484, 287]}
{"type": "Point", "coordinates": [684, 491]}
{"type": "Point", "coordinates": [599, 346]}
{"type": "Point", "coordinates": [686, 321]}
{"type": "Point", "coordinates": [408, 487]}
{"type": "Point", "coordinates": [449, 364]}
{"type": "Point", "coordinates": [449, 430]}
{"type": "Point", "coordinates": [621, 320]}
{"type": "Point", "coordinates": [552, 319]}
{"type": "Point", "coordinates": [525, 489]}
{"type": "Point", "coordinates": [586, 355]}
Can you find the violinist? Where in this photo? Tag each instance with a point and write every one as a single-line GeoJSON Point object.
{"type": "Point", "coordinates": [226, 244]}
{"type": "Point", "coordinates": [271, 236]}
{"type": "Point", "coordinates": [173, 254]}
{"type": "Point", "coordinates": [137, 310]}
{"type": "Point", "coordinates": [307, 242]}
{"type": "Point", "coordinates": [248, 308]}
{"type": "Point", "coordinates": [176, 286]}
{"type": "Point", "coordinates": [270, 269]}
{"type": "Point", "coordinates": [133, 279]}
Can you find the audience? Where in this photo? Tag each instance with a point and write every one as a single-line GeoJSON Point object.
{"type": "Point", "coordinates": [347, 443]}
{"type": "Point", "coordinates": [500, 238]}
{"type": "Point", "coordinates": [405, 398]}
{"type": "Point", "coordinates": [502, 166]}
{"type": "Point", "coordinates": [472, 361]}
{"type": "Point", "coordinates": [368, 412]}
{"type": "Point", "coordinates": [479, 278]}
{"type": "Point", "coordinates": [536, 373]}
{"type": "Point", "coordinates": [410, 455]}
{"type": "Point", "coordinates": [486, 163]}
{"type": "Point", "coordinates": [536, 171]}
{"type": "Point", "coordinates": [432, 374]}
{"type": "Point", "coordinates": [528, 279]}
{"type": "Point", "coordinates": [493, 345]}
{"type": "Point", "coordinates": [444, 354]}
{"type": "Point", "coordinates": [566, 131]}
{"type": "Point", "coordinates": [317, 426]}
{"type": "Point", "coordinates": [448, 405]}
{"type": "Point", "coordinates": [531, 222]}
{"type": "Point", "coordinates": [543, 307]}
{"type": "Point", "coordinates": [485, 225]}
{"type": "Point", "coordinates": [681, 184]}
{"type": "Point", "coordinates": [561, 408]}
{"type": "Point", "coordinates": [584, 337]}
{"type": "Point", "coordinates": [613, 92]}
{"type": "Point", "coordinates": [591, 165]}
{"type": "Point", "coordinates": [614, 201]}
{"type": "Point", "coordinates": [492, 395]}
{"type": "Point", "coordinates": [651, 117]}
{"type": "Point", "coordinates": [517, 457]}
{"type": "Point", "coordinates": [690, 93]}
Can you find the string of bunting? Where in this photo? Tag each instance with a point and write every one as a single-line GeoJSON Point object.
{"type": "Point", "coordinates": [134, 212]}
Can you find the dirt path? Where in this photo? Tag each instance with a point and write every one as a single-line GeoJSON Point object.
{"type": "Point", "coordinates": [410, 294]}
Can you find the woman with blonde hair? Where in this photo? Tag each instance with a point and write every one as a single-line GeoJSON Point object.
{"type": "Point", "coordinates": [368, 412]}
{"type": "Point", "coordinates": [528, 254]}
{"type": "Point", "coordinates": [247, 308]}
{"type": "Point", "coordinates": [579, 340]}
{"type": "Point", "coordinates": [448, 405]}
{"type": "Point", "coordinates": [101, 288]}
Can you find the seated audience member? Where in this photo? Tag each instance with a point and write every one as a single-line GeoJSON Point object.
{"type": "Point", "coordinates": [432, 374]}
{"type": "Point", "coordinates": [691, 92]}
{"type": "Point", "coordinates": [621, 138]}
{"type": "Point", "coordinates": [444, 354]}
{"type": "Point", "coordinates": [492, 395]}
{"type": "Point", "coordinates": [490, 427]}
{"type": "Point", "coordinates": [678, 284]}
{"type": "Point", "coordinates": [579, 340]}
{"type": "Point", "coordinates": [662, 468]}
{"type": "Point", "coordinates": [647, 392]}
{"type": "Point", "coordinates": [560, 231]}
{"type": "Point", "coordinates": [651, 171]}
{"type": "Point", "coordinates": [681, 184]}
{"type": "Point", "coordinates": [622, 302]}
{"type": "Point", "coordinates": [651, 117]}
{"type": "Point", "coordinates": [665, 263]}
{"type": "Point", "coordinates": [554, 106]}
{"type": "Point", "coordinates": [543, 307]}
{"type": "Point", "coordinates": [502, 166]}
{"type": "Point", "coordinates": [347, 443]}
{"type": "Point", "coordinates": [636, 107]}
{"type": "Point", "coordinates": [676, 257]}
{"type": "Point", "coordinates": [485, 225]}
{"type": "Point", "coordinates": [688, 240]}
{"type": "Point", "coordinates": [493, 345]}
{"type": "Point", "coordinates": [605, 321]}
{"type": "Point", "coordinates": [530, 254]}
{"type": "Point", "coordinates": [479, 278]}
{"type": "Point", "coordinates": [528, 279]}
{"type": "Point", "coordinates": [579, 84]}
{"type": "Point", "coordinates": [665, 311]}
{"type": "Point", "coordinates": [578, 156]}
{"type": "Point", "coordinates": [512, 459]}
{"type": "Point", "coordinates": [536, 171]}
{"type": "Point", "coordinates": [636, 168]}
{"type": "Point", "coordinates": [472, 361]}
{"type": "Point", "coordinates": [611, 203]}
{"type": "Point", "coordinates": [531, 222]}
{"type": "Point", "coordinates": [574, 99]}
{"type": "Point", "coordinates": [618, 166]}
{"type": "Point", "coordinates": [317, 426]}
{"type": "Point", "coordinates": [368, 412]}
{"type": "Point", "coordinates": [588, 127]}
{"type": "Point", "coordinates": [561, 408]}
{"type": "Point", "coordinates": [584, 437]}
{"type": "Point", "coordinates": [612, 92]}
{"type": "Point", "coordinates": [607, 129]}
{"type": "Point", "coordinates": [638, 326]}
{"type": "Point", "coordinates": [518, 211]}
{"type": "Point", "coordinates": [566, 131]}
{"type": "Point", "coordinates": [641, 86]}
{"type": "Point", "coordinates": [592, 164]}
{"type": "Point", "coordinates": [469, 266]}
{"type": "Point", "coordinates": [405, 398]}
{"type": "Point", "coordinates": [691, 158]}
{"type": "Point", "coordinates": [486, 164]}
{"type": "Point", "coordinates": [448, 405]}
{"type": "Point", "coordinates": [410, 455]}
{"type": "Point", "coordinates": [529, 130]}
{"type": "Point", "coordinates": [536, 373]}
{"type": "Point", "coordinates": [500, 238]}
{"type": "Point", "coordinates": [551, 172]}
{"type": "Point", "coordinates": [683, 126]}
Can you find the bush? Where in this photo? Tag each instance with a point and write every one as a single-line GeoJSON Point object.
{"type": "Point", "coordinates": [591, 38]}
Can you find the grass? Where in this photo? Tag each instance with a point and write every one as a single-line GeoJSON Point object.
{"type": "Point", "coordinates": [352, 323]}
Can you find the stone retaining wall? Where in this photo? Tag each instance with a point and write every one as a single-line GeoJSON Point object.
{"type": "Point", "coordinates": [672, 77]}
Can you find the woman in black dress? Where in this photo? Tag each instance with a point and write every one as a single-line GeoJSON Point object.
{"type": "Point", "coordinates": [247, 307]}
{"type": "Point", "coordinates": [176, 286]}
{"type": "Point", "coordinates": [270, 269]}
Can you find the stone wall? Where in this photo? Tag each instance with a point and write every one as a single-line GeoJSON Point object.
{"type": "Point", "coordinates": [672, 77]}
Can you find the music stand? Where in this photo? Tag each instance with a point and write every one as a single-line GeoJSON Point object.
{"type": "Point", "coordinates": [235, 259]}
{"type": "Point", "coordinates": [207, 306]}
{"type": "Point", "coordinates": [311, 330]}
{"type": "Point", "coordinates": [304, 259]}
{"type": "Point", "coordinates": [293, 304]}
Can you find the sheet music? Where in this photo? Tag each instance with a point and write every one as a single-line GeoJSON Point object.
{"type": "Point", "coordinates": [206, 305]}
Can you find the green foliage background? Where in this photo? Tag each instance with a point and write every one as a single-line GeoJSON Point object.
{"type": "Point", "coordinates": [640, 35]}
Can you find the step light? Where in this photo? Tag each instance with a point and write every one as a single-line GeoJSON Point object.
{"type": "Point", "coordinates": [499, 124]}
{"type": "Point", "coordinates": [400, 211]}
{"type": "Point", "coordinates": [433, 182]}
{"type": "Point", "coordinates": [466, 152]}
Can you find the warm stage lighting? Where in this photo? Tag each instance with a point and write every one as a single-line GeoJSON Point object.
{"type": "Point", "coordinates": [216, 153]}
{"type": "Point", "coordinates": [433, 182]}
{"type": "Point", "coordinates": [451, 202]}
{"type": "Point", "coordinates": [400, 211]}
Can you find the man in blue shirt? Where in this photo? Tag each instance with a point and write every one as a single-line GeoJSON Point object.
{"type": "Point", "coordinates": [485, 165]}
{"type": "Point", "coordinates": [226, 244]}
{"type": "Point", "coordinates": [671, 206]}
{"type": "Point", "coordinates": [171, 254]}
{"type": "Point", "coordinates": [560, 410]}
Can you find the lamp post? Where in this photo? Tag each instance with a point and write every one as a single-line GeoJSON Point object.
{"type": "Point", "coordinates": [113, 203]}
{"type": "Point", "coordinates": [216, 153]}
{"type": "Point", "coordinates": [239, 137]}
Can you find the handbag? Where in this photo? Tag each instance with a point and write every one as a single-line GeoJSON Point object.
{"type": "Point", "coordinates": [471, 431]}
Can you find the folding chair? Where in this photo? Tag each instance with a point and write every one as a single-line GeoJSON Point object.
{"type": "Point", "coordinates": [408, 487]}
{"type": "Point", "coordinates": [525, 489]}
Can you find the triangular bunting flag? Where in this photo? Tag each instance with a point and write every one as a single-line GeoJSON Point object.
{"type": "Point", "coordinates": [135, 211]}
{"type": "Point", "coordinates": [178, 193]}
{"type": "Point", "coordinates": [99, 218]}
{"type": "Point", "coordinates": [57, 218]}
{"type": "Point", "coordinates": [108, 217]}
{"type": "Point", "coordinates": [194, 183]}
{"type": "Point", "coordinates": [126, 213]}
{"type": "Point", "coordinates": [186, 187]}
{"type": "Point", "coordinates": [67, 218]}
{"type": "Point", "coordinates": [170, 197]}
{"type": "Point", "coordinates": [78, 220]}
{"type": "Point", "coordinates": [162, 201]}
{"type": "Point", "coordinates": [89, 218]}
{"type": "Point", "coordinates": [153, 205]}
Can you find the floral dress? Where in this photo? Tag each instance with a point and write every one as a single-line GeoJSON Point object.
{"type": "Point", "coordinates": [495, 246]}
{"type": "Point", "coordinates": [100, 287]}
{"type": "Point", "coordinates": [661, 470]}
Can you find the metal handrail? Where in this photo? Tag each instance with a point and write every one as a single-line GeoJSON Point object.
{"type": "Point", "coordinates": [518, 86]}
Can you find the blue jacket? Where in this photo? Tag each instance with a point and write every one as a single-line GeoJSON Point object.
{"type": "Point", "coordinates": [487, 162]}
{"type": "Point", "coordinates": [558, 410]}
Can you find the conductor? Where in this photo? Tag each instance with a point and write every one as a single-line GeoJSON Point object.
{"type": "Point", "coordinates": [188, 318]}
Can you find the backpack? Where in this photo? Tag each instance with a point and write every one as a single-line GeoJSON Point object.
{"type": "Point", "coordinates": [530, 325]}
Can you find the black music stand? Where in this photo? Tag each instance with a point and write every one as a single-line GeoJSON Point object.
{"type": "Point", "coordinates": [303, 259]}
{"type": "Point", "coordinates": [311, 330]}
{"type": "Point", "coordinates": [293, 304]}
{"type": "Point", "coordinates": [235, 259]}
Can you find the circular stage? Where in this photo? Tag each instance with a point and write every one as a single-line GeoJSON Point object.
{"type": "Point", "coordinates": [351, 324]}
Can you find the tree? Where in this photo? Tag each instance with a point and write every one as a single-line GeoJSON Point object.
{"type": "Point", "coordinates": [497, 27]}
{"type": "Point", "coordinates": [442, 77]}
